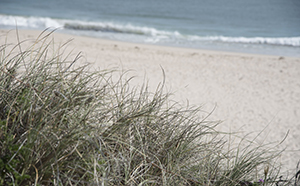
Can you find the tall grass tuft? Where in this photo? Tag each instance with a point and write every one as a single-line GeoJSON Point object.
{"type": "Point", "coordinates": [64, 125]}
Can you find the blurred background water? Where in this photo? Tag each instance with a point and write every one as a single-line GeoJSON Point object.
{"type": "Point", "coordinates": [257, 26]}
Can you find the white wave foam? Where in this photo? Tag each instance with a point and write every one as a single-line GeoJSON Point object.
{"type": "Point", "coordinates": [30, 22]}
{"type": "Point", "coordinates": [153, 35]}
{"type": "Point", "coordinates": [117, 28]}
{"type": "Point", "coordinates": [45, 22]}
{"type": "Point", "coordinates": [287, 41]}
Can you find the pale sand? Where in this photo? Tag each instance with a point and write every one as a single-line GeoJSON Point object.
{"type": "Point", "coordinates": [247, 92]}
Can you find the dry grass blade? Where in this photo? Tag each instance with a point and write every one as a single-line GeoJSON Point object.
{"type": "Point", "coordinates": [68, 126]}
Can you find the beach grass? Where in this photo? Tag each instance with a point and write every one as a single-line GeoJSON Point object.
{"type": "Point", "coordinates": [62, 124]}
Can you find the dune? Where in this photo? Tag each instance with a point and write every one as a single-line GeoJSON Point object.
{"type": "Point", "coordinates": [248, 93]}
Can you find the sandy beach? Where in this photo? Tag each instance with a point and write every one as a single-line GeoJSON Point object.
{"type": "Point", "coordinates": [248, 93]}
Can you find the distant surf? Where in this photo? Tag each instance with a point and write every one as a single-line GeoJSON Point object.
{"type": "Point", "coordinates": [46, 22]}
{"type": "Point", "coordinates": [144, 34]}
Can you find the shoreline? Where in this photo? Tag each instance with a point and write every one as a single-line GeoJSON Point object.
{"type": "Point", "coordinates": [206, 48]}
{"type": "Point", "coordinates": [248, 92]}
{"type": "Point", "coordinates": [245, 48]}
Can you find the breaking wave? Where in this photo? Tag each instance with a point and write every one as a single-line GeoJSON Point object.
{"type": "Point", "coordinates": [288, 41]}
{"type": "Point", "coordinates": [154, 34]}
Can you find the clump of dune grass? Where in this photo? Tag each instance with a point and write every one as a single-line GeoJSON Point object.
{"type": "Point", "coordinates": [64, 125]}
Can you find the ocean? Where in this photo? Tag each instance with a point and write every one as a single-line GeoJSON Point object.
{"type": "Point", "coordinates": [270, 27]}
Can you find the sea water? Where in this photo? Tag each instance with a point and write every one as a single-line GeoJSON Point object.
{"type": "Point", "coordinates": [269, 27]}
